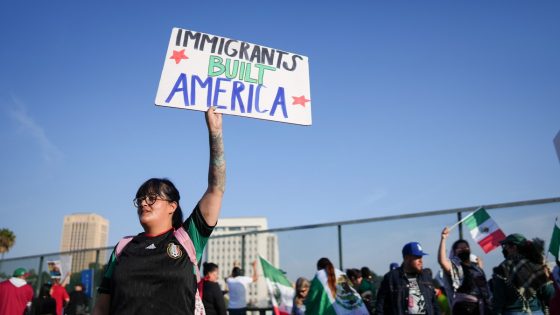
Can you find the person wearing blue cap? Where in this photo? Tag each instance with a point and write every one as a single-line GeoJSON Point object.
{"type": "Point", "coordinates": [407, 289]}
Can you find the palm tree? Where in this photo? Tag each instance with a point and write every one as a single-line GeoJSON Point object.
{"type": "Point", "coordinates": [7, 240]}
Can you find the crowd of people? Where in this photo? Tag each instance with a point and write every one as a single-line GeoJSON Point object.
{"type": "Point", "coordinates": [17, 297]}
{"type": "Point", "coordinates": [521, 284]}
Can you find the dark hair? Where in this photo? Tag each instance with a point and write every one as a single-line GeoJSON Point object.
{"type": "Point", "coordinates": [164, 188]}
{"type": "Point", "coordinates": [325, 263]}
{"type": "Point", "coordinates": [236, 272]}
{"type": "Point", "coordinates": [532, 250]}
{"type": "Point", "coordinates": [209, 267]}
{"type": "Point", "coordinates": [456, 244]}
{"type": "Point", "coordinates": [45, 291]}
{"type": "Point", "coordinates": [366, 273]}
{"type": "Point", "coordinates": [353, 274]}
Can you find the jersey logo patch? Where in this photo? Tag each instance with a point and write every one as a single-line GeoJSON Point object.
{"type": "Point", "coordinates": [174, 251]}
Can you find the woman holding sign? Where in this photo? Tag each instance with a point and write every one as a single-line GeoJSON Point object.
{"type": "Point", "coordinates": [154, 272]}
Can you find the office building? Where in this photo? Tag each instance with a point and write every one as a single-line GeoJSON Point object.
{"type": "Point", "coordinates": [83, 231]}
{"type": "Point", "coordinates": [226, 252]}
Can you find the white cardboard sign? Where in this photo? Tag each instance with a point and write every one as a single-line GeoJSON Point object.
{"type": "Point", "coordinates": [239, 78]}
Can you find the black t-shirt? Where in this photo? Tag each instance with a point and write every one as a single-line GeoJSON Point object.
{"type": "Point", "coordinates": [154, 275]}
{"type": "Point", "coordinates": [473, 280]}
{"type": "Point", "coordinates": [213, 299]}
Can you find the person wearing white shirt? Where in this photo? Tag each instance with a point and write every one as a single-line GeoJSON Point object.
{"type": "Point", "coordinates": [237, 286]}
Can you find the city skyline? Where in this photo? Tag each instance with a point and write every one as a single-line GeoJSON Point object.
{"type": "Point", "coordinates": [362, 241]}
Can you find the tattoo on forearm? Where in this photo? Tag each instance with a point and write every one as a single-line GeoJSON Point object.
{"type": "Point", "coordinates": [217, 171]}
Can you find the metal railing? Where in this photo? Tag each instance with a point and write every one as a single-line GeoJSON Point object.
{"type": "Point", "coordinates": [375, 235]}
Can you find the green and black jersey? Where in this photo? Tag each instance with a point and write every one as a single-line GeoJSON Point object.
{"type": "Point", "coordinates": [153, 274]}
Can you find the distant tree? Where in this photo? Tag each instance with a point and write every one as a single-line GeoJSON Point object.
{"type": "Point", "coordinates": [7, 240]}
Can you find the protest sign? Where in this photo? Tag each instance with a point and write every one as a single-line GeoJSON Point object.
{"type": "Point", "coordinates": [239, 78]}
{"type": "Point", "coordinates": [55, 270]}
{"type": "Point", "coordinates": [60, 269]}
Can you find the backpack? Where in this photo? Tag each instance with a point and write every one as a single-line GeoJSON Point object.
{"type": "Point", "coordinates": [184, 239]}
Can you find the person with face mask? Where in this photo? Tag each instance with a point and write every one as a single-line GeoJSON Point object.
{"type": "Point", "coordinates": [408, 289]}
{"type": "Point", "coordinates": [466, 285]}
{"type": "Point", "coordinates": [522, 282]}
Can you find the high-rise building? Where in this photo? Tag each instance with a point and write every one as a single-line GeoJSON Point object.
{"type": "Point", "coordinates": [226, 252]}
{"type": "Point", "coordinates": [83, 231]}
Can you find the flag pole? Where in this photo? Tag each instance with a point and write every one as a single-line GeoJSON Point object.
{"type": "Point", "coordinates": [463, 219]}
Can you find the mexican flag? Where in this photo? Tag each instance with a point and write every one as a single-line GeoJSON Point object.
{"type": "Point", "coordinates": [321, 301]}
{"type": "Point", "coordinates": [279, 287]}
{"type": "Point", "coordinates": [484, 230]}
{"type": "Point", "coordinates": [554, 246]}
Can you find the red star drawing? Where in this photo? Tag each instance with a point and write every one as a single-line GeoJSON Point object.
{"type": "Point", "coordinates": [301, 100]}
{"type": "Point", "coordinates": [178, 55]}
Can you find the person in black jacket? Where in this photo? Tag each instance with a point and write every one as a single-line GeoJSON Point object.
{"type": "Point", "coordinates": [44, 304]}
{"type": "Point", "coordinates": [212, 296]}
{"type": "Point", "coordinates": [79, 301]}
{"type": "Point", "coordinates": [409, 288]}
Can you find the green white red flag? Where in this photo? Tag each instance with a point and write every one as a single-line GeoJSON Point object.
{"type": "Point", "coordinates": [484, 230]}
{"type": "Point", "coordinates": [321, 300]}
{"type": "Point", "coordinates": [554, 246]}
{"type": "Point", "coordinates": [279, 287]}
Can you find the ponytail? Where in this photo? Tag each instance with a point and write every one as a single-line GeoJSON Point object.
{"type": "Point", "coordinates": [331, 279]}
{"type": "Point", "coordinates": [177, 219]}
{"type": "Point", "coordinates": [325, 264]}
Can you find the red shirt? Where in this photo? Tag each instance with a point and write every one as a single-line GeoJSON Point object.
{"type": "Point", "coordinates": [59, 294]}
{"type": "Point", "coordinates": [13, 300]}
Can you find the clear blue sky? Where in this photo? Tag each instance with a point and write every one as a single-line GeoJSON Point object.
{"type": "Point", "coordinates": [417, 105]}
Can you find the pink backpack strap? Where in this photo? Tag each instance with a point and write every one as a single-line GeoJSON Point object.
{"type": "Point", "coordinates": [121, 245]}
{"type": "Point", "coordinates": [187, 243]}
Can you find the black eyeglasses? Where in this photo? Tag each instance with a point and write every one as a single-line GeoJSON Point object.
{"type": "Point", "coordinates": [150, 200]}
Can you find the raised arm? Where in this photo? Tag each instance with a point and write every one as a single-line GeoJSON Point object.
{"type": "Point", "coordinates": [480, 262]}
{"type": "Point", "coordinates": [255, 274]}
{"type": "Point", "coordinates": [211, 201]}
{"type": "Point", "coordinates": [442, 259]}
